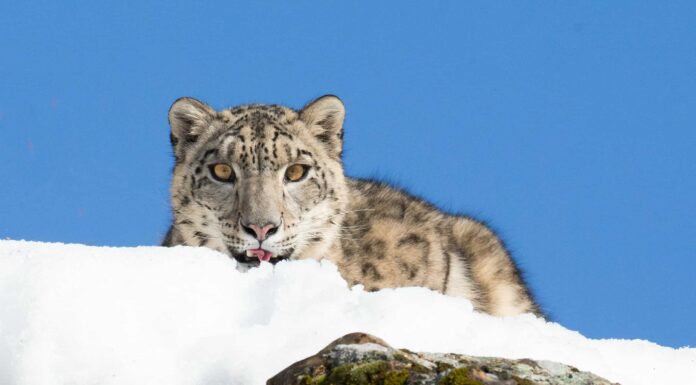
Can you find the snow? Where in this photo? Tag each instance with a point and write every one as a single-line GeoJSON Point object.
{"type": "Point", "coordinates": [73, 314]}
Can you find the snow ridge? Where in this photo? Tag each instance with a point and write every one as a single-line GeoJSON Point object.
{"type": "Point", "coordinates": [149, 315]}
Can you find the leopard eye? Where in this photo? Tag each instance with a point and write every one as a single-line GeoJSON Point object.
{"type": "Point", "coordinates": [296, 172]}
{"type": "Point", "coordinates": [222, 172]}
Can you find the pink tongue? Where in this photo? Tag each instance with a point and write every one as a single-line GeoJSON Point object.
{"type": "Point", "coordinates": [261, 254]}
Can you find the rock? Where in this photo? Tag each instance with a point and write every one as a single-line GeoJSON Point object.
{"type": "Point", "coordinates": [362, 359]}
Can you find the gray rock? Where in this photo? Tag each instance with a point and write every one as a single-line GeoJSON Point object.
{"type": "Point", "coordinates": [362, 359]}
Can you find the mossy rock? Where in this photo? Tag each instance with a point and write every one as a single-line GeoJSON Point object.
{"type": "Point", "coordinates": [311, 380]}
{"type": "Point", "coordinates": [361, 359]}
{"type": "Point", "coordinates": [368, 373]}
{"type": "Point", "coordinates": [459, 376]}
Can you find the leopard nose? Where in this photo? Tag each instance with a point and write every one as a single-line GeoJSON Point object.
{"type": "Point", "coordinates": [261, 232]}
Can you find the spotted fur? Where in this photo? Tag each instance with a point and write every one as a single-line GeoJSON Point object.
{"type": "Point", "coordinates": [378, 236]}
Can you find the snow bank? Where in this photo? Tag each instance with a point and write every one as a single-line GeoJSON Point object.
{"type": "Point", "coordinates": [72, 314]}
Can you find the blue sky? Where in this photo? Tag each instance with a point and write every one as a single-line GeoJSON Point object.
{"type": "Point", "coordinates": [569, 127]}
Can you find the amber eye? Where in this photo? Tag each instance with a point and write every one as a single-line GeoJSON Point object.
{"type": "Point", "coordinates": [296, 172]}
{"type": "Point", "coordinates": [222, 172]}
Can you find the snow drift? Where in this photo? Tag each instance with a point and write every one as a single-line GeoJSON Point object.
{"type": "Point", "coordinates": [72, 314]}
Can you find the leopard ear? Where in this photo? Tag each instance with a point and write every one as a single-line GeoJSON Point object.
{"type": "Point", "coordinates": [188, 119]}
{"type": "Point", "coordinates": [324, 119]}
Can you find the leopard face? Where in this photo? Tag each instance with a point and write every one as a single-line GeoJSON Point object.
{"type": "Point", "coordinates": [258, 182]}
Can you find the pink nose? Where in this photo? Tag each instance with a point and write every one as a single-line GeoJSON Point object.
{"type": "Point", "coordinates": [260, 232]}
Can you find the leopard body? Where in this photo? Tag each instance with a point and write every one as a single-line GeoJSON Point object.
{"type": "Point", "coordinates": [378, 236]}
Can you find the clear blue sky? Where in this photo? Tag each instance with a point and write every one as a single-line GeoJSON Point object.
{"type": "Point", "coordinates": [570, 128]}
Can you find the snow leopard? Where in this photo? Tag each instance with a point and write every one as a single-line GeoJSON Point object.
{"type": "Point", "coordinates": [265, 183]}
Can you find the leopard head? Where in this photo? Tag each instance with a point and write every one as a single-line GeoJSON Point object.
{"type": "Point", "coordinates": [258, 182]}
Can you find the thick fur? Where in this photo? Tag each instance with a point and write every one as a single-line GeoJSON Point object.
{"type": "Point", "coordinates": [378, 236]}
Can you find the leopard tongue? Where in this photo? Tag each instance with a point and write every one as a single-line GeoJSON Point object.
{"type": "Point", "coordinates": [261, 254]}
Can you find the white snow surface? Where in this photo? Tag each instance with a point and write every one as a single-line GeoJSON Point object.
{"type": "Point", "coordinates": [73, 314]}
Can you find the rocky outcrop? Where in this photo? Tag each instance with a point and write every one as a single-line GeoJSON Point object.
{"type": "Point", "coordinates": [362, 359]}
